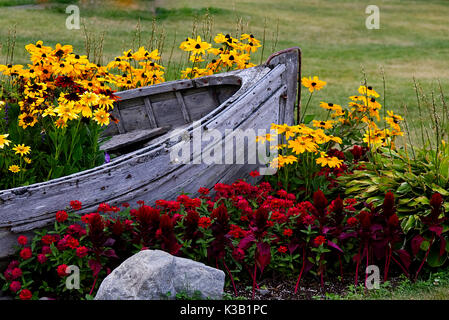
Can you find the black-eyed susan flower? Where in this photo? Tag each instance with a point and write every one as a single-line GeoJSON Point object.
{"type": "Point", "coordinates": [101, 117]}
{"type": "Point", "coordinates": [323, 124]}
{"type": "Point", "coordinates": [302, 144]}
{"type": "Point", "coordinates": [21, 149]}
{"type": "Point", "coordinates": [14, 168]}
{"type": "Point", "coordinates": [288, 131]}
{"type": "Point", "coordinates": [331, 162]}
{"type": "Point", "coordinates": [27, 120]}
{"type": "Point", "coordinates": [330, 106]}
{"type": "Point", "coordinates": [105, 102]}
{"type": "Point", "coordinates": [313, 83]}
{"type": "Point", "coordinates": [3, 141]}
{"type": "Point", "coordinates": [368, 91]}
{"type": "Point", "coordinates": [89, 98]}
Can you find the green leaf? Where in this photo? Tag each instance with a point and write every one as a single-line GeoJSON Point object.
{"type": "Point", "coordinates": [404, 188]}
{"type": "Point", "coordinates": [308, 118]}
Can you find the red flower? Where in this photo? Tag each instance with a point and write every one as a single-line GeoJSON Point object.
{"type": "Point", "coordinates": [237, 232]}
{"type": "Point", "coordinates": [203, 191]}
{"type": "Point", "coordinates": [25, 294]}
{"type": "Point", "coordinates": [104, 207]}
{"type": "Point", "coordinates": [46, 250]}
{"type": "Point", "coordinates": [282, 249]}
{"type": "Point", "coordinates": [76, 205]}
{"type": "Point", "coordinates": [319, 240]}
{"type": "Point", "coordinates": [61, 270]}
{"type": "Point", "coordinates": [16, 273]}
{"type": "Point", "coordinates": [125, 205]}
{"type": "Point", "coordinates": [288, 232]}
{"type": "Point", "coordinates": [238, 254]}
{"type": "Point", "coordinates": [352, 221]}
{"type": "Point", "coordinates": [204, 222]}
{"type": "Point", "coordinates": [254, 174]}
{"type": "Point", "coordinates": [71, 242]}
{"type": "Point", "coordinates": [81, 252]}
{"type": "Point", "coordinates": [393, 220]}
{"type": "Point", "coordinates": [25, 253]}
{"type": "Point", "coordinates": [308, 219]}
{"type": "Point", "coordinates": [15, 286]}
{"type": "Point", "coordinates": [61, 216]}
{"type": "Point", "coordinates": [141, 202]}
{"type": "Point", "coordinates": [48, 239]}
{"type": "Point", "coordinates": [41, 258]}
{"type": "Point", "coordinates": [22, 240]}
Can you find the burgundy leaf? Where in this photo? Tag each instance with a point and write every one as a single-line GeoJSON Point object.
{"type": "Point", "coordinates": [416, 244]}
{"type": "Point", "coordinates": [405, 258]}
{"type": "Point", "coordinates": [292, 247]}
{"type": "Point", "coordinates": [246, 242]}
{"type": "Point", "coordinates": [110, 253]}
{"type": "Point", "coordinates": [109, 242]}
{"type": "Point", "coordinates": [437, 229]}
{"type": "Point", "coordinates": [333, 245]}
{"type": "Point", "coordinates": [263, 255]}
{"type": "Point", "coordinates": [95, 266]}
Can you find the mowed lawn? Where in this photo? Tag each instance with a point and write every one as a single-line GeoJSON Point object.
{"type": "Point", "coordinates": [413, 39]}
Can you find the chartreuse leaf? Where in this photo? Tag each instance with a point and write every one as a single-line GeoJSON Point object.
{"type": "Point", "coordinates": [404, 187]}
{"type": "Point", "coordinates": [440, 190]}
{"type": "Point", "coordinates": [434, 259]}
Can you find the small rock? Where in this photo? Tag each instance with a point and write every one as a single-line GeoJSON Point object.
{"type": "Point", "coordinates": [152, 274]}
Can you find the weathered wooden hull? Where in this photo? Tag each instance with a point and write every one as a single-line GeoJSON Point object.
{"type": "Point", "coordinates": [266, 94]}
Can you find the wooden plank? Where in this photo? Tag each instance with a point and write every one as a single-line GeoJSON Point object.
{"type": "Point", "coordinates": [120, 125]}
{"type": "Point", "coordinates": [127, 139]}
{"type": "Point", "coordinates": [156, 89]}
{"type": "Point", "coordinates": [182, 105]}
{"type": "Point", "coordinates": [150, 112]}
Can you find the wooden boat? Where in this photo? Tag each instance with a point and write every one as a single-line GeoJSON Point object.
{"type": "Point", "coordinates": [252, 98]}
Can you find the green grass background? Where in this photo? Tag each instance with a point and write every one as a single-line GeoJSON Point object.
{"type": "Point", "coordinates": [412, 40]}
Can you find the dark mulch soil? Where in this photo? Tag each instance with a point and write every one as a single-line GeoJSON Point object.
{"type": "Point", "coordinates": [309, 288]}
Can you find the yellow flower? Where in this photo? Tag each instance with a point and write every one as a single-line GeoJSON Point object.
{"type": "Point", "coordinates": [313, 84]}
{"type": "Point", "coordinates": [196, 46]}
{"type": "Point", "coordinates": [331, 162]}
{"type": "Point", "coordinates": [368, 91]}
{"type": "Point", "coordinates": [330, 106]}
{"type": "Point", "coordinates": [267, 137]}
{"type": "Point", "coordinates": [323, 124]}
{"type": "Point", "coordinates": [289, 131]}
{"type": "Point", "coordinates": [14, 168]}
{"type": "Point", "coordinates": [105, 102]}
{"type": "Point", "coordinates": [101, 117]}
{"type": "Point", "coordinates": [66, 111]}
{"type": "Point", "coordinates": [89, 98]}
{"type": "Point", "coordinates": [302, 144]}
{"type": "Point", "coordinates": [21, 149]}
{"type": "Point", "coordinates": [60, 123]}
{"type": "Point", "coordinates": [3, 140]}
{"type": "Point", "coordinates": [27, 160]}
{"type": "Point", "coordinates": [281, 161]}
{"type": "Point", "coordinates": [27, 120]}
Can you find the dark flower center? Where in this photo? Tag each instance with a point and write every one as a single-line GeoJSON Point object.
{"type": "Point", "coordinates": [313, 84]}
{"type": "Point", "coordinates": [197, 46]}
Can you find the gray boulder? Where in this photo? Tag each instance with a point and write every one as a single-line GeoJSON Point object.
{"type": "Point", "coordinates": [155, 275]}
